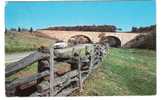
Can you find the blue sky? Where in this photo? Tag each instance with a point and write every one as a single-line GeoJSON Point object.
{"type": "Point", "coordinates": [121, 13]}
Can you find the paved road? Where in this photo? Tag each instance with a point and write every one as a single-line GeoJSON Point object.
{"type": "Point", "coordinates": [13, 57]}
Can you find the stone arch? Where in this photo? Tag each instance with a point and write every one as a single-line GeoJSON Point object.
{"type": "Point", "coordinates": [79, 39]}
{"type": "Point", "coordinates": [113, 41]}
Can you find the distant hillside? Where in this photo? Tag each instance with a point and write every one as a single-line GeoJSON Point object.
{"type": "Point", "coordinates": [99, 28]}
{"type": "Point", "coordinates": [146, 39]}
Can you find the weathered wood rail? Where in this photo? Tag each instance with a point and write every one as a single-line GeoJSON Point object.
{"type": "Point", "coordinates": [60, 71]}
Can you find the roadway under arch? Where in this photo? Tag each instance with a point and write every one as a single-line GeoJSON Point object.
{"type": "Point", "coordinates": [111, 40]}
{"type": "Point", "coordinates": [79, 39]}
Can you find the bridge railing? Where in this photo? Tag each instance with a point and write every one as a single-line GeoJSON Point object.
{"type": "Point", "coordinates": [75, 64]}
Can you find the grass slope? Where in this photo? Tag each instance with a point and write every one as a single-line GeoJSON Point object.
{"type": "Point", "coordinates": [20, 42]}
{"type": "Point", "coordinates": [123, 72]}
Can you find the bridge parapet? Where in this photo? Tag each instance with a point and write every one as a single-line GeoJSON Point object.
{"type": "Point", "coordinates": [93, 36]}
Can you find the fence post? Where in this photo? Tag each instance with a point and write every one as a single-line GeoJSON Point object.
{"type": "Point", "coordinates": [43, 64]}
{"type": "Point", "coordinates": [91, 59]}
{"type": "Point", "coordinates": [86, 49]}
{"type": "Point", "coordinates": [73, 53]}
{"type": "Point", "coordinates": [79, 70]}
{"type": "Point", "coordinates": [51, 70]}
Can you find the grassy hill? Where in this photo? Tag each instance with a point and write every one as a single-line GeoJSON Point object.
{"type": "Point", "coordinates": [23, 41]}
{"type": "Point", "coordinates": [123, 72]}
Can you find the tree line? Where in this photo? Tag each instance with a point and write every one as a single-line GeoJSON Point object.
{"type": "Point", "coordinates": [19, 29]}
{"type": "Point", "coordinates": [148, 29]}
{"type": "Point", "coordinates": [96, 28]}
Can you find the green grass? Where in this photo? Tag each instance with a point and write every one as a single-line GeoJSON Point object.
{"type": "Point", "coordinates": [123, 72]}
{"type": "Point", "coordinates": [21, 42]}
{"type": "Point", "coordinates": [28, 71]}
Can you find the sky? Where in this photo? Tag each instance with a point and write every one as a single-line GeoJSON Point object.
{"type": "Point", "coordinates": [121, 13]}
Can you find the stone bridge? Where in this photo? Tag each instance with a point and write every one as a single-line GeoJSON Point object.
{"type": "Point", "coordinates": [93, 36]}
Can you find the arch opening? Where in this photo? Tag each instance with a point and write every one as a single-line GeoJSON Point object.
{"type": "Point", "coordinates": [79, 39]}
{"type": "Point", "coordinates": [111, 40]}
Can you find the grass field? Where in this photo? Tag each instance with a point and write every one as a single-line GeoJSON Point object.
{"type": "Point", "coordinates": [123, 72]}
{"type": "Point", "coordinates": [20, 42]}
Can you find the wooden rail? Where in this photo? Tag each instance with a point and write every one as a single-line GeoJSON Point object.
{"type": "Point", "coordinates": [50, 80]}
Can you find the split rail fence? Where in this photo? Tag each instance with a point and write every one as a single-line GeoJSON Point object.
{"type": "Point", "coordinates": [60, 71]}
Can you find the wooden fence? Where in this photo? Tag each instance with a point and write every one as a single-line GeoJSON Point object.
{"type": "Point", "coordinates": [75, 64]}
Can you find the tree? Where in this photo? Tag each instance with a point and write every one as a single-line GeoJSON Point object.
{"type": "Point", "coordinates": [31, 30]}
{"type": "Point", "coordinates": [134, 29]}
{"type": "Point", "coordinates": [119, 29]}
{"type": "Point", "coordinates": [19, 29]}
{"type": "Point", "coordinates": [6, 30]}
